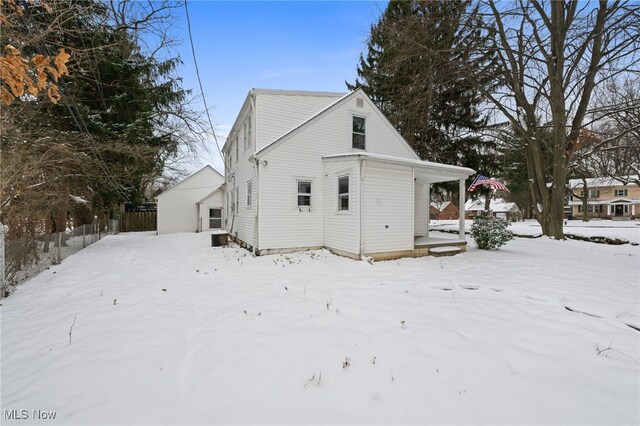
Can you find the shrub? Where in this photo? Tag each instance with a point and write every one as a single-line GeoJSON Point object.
{"type": "Point", "coordinates": [490, 233]}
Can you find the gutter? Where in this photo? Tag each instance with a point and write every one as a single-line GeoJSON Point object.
{"type": "Point", "coordinates": [254, 133]}
{"type": "Point", "coordinates": [361, 203]}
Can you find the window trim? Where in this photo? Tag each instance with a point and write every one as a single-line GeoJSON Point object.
{"type": "Point", "coordinates": [353, 132]}
{"type": "Point", "coordinates": [249, 194]}
{"type": "Point", "coordinates": [245, 135]}
{"type": "Point", "coordinates": [237, 142]}
{"type": "Point", "coordinates": [215, 218]}
{"type": "Point", "coordinates": [339, 209]}
{"type": "Point", "coordinates": [298, 194]}
{"type": "Point", "coordinates": [620, 192]}
{"type": "Point", "coordinates": [237, 212]}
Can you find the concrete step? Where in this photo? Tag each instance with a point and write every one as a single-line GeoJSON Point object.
{"type": "Point", "coordinates": [445, 251]}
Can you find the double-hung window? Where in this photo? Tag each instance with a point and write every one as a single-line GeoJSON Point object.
{"type": "Point", "coordinates": [245, 136]}
{"type": "Point", "coordinates": [304, 193]}
{"type": "Point", "coordinates": [343, 193]}
{"type": "Point", "coordinates": [249, 194]}
{"type": "Point", "coordinates": [358, 133]}
{"type": "Point", "coordinates": [237, 200]}
{"type": "Point", "coordinates": [215, 218]}
{"type": "Point", "coordinates": [249, 131]}
{"type": "Point", "coordinates": [620, 192]}
{"type": "Point", "coordinates": [237, 142]}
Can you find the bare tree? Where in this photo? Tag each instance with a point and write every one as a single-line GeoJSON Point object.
{"type": "Point", "coordinates": [619, 159]}
{"type": "Point", "coordinates": [552, 55]}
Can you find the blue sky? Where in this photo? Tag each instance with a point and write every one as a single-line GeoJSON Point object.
{"type": "Point", "coordinates": [279, 45]}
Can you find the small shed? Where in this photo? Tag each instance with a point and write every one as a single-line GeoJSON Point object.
{"type": "Point", "coordinates": [192, 205]}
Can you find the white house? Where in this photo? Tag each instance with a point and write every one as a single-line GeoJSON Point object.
{"type": "Point", "coordinates": [608, 198]}
{"type": "Point", "coordinates": [315, 169]}
{"type": "Point", "coordinates": [498, 207]}
{"type": "Point", "coordinates": [195, 204]}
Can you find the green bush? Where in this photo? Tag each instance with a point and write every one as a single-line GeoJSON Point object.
{"type": "Point", "coordinates": [490, 233]}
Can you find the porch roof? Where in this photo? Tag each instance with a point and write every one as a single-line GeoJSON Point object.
{"type": "Point", "coordinates": [425, 171]}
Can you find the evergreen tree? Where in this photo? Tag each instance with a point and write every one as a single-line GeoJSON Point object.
{"type": "Point", "coordinates": [411, 72]}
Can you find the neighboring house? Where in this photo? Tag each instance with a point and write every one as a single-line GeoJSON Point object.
{"type": "Point", "coordinates": [195, 204]}
{"type": "Point", "coordinates": [498, 207]}
{"type": "Point", "coordinates": [443, 210]}
{"type": "Point", "coordinates": [307, 170]}
{"type": "Point", "coordinates": [608, 198]}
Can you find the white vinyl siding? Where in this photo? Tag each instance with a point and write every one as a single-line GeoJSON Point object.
{"type": "Point", "coordinates": [301, 155]}
{"type": "Point", "coordinates": [215, 218]}
{"type": "Point", "coordinates": [279, 113]}
{"type": "Point", "coordinates": [387, 209]}
{"type": "Point", "coordinates": [213, 201]}
{"type": "Point", "coordinates": [303, 193]}
{"type": "Point", "coordinates": [343, 193]}
{"type": "Point", "coordinates": [342, 229]}
{"type": "Point", "coordinates": [421, 210]}
{"type": "Point", "coordinates": [177, 208]}
{"type": "Point", "coordinates": [243, 172]}
{"type": "Point", "coordinates": [358, 133]}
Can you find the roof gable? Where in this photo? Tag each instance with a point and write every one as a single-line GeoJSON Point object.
{"type": "Point", "coordinates": [183, 181]}
{"type": "Point", "coordinates": [331, 107]}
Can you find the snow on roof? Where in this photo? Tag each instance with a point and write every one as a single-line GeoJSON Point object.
{"type": "Point", "coordinates": [440, 205]}
{"type": "Point", "coordinates": [602, 182]}
{"type": "Point", "coordinates": [496, 205]}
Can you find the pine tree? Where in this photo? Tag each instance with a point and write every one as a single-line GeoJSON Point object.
{"type": "Point", "coordinates": [410, 71]}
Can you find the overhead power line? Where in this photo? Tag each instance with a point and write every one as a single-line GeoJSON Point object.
{"type": "Point", "coordinates": [204, 99]}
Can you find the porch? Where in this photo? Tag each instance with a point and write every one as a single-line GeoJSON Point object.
{"type": "Point", "coordinates": [424, 246]}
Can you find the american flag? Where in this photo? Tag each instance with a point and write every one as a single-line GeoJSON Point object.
{"type": "Point", "coordinates": [483, 180]}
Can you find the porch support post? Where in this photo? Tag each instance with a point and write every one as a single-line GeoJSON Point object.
{"type": "Point", "coordinates": [428, 192]}
{"type": "Point", "coordinates": [461, 201]}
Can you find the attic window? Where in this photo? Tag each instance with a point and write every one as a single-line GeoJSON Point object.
{"type": "Point", "coordinates": [360, 102]}
{"type": "Point", "coordinates": [358, 138]}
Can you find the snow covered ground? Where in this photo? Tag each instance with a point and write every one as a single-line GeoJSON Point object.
{"type": "Point", "coordinates": [627, 230]}
{"type": "Point", "coordinates": [146, 329]}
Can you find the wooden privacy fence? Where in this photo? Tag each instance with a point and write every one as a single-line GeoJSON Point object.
{"type": "Point", "coordinates": [138, 221]}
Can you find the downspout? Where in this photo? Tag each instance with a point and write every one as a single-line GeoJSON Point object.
{"type": "Point", "coordinates": [254, 133]}
{"type": "Point", "coordinates": [198, 219]}
{"type": "Point", "coordinates": [256, 223]}
{"type": "Point", "coordinates": [361, 203]}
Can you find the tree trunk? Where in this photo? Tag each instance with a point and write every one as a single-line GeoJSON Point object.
{"type": "Point", "coordinates": [47, 232]}
{"type": "Point", "coordinates": [548, 201]}
{"type": "Point", "coordinates": [61, 220]}
{"type": "Point", "coordinates": [487, 205]}
{"type": "Point", "coordinates": [585, 201]}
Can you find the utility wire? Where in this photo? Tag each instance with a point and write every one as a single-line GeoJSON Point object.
{"type": "Point", "coordinates": [206, 108]}
{"type": "Point", "coordinates": [204, 99]}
